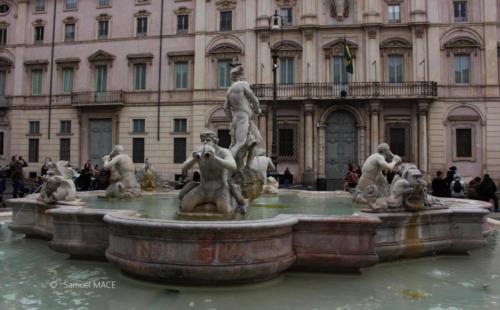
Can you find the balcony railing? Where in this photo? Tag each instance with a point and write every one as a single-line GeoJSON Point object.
{"type": "Point", "coordinates": [97, 98]}
{"type": "Point", "coordinates": [348, 90]}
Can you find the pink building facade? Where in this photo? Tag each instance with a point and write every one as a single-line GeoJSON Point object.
{"type": "Point", "coordinates": [78, 76]}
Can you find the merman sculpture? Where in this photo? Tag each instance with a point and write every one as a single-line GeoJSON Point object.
{"type": "Point", "coordinates": [58, 186]}
{"type": "Point", "coordinates": [215, 193]}
{"type": "Point", "coordinates": [123, 183]}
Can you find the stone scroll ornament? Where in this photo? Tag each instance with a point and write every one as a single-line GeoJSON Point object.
{"type": "Point", "coordinates": [242, 108]}
{"type": "Point", "coordinates": [215, 193]}
{"type": "Point", "coordinates": [123, 183]}
{"type": "Point", "coordinates": [58, 186]}
{"type": "Point", "coordinates": [339, 9]}
{"type": "Point", "coordinates": [407, 192]}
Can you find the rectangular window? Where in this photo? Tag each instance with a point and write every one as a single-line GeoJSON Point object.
{"type": "Point", "coordinates": [179, 150]}
{"type": "Point", "coordinates": [226, 21]}
{"type": "Point", "coordinates": [181, 71]}
{"type": "Point", "coordinates": [394, 13]}
{"type": "Point", "coordinates": [462, 69]}
{"type": "Point", "coordinates": [39, 5]}
{"type": "Point", "coordinates": [464, 142]}
{"type": "Point", "coordinates": [3, 76]}
{"type": "Point", "coordinates": [339, 71]}
{"type": "Point", "coordinates": [65, 127]}
{"type": "Point", "coordinates": [224, 138]}
{"type": "Point", "coordinates": [182, 23]}
{"type": "Point", "coordinates": [1, 143]}
{"type": "Point", "coordinates": [142, 26]}
{"type": "Point", "coordinates": [39, 34]}
{"type": "Point", "coordinates": [102, 29]}
{"type": "Point", "coordinates": [33, 150]}
{"type": "Point", "coordinates": [138, 150]}
{"type": "Point", "coordinates": [139, 76]}
{"type": "Point", "coordinates": [460, 11]}
{"type": "Point", "coordinates": [180, 125]}
{"type": "Point", "coordinates": [68, 80]}
{"type": "Point", "coordinates": [286, 70]}
{"type": "Point", "coordinates": [139, 125]}
{"type": "Point", "coordinates": [397, 140]}
{"type": "Point", "coordinates": [286, 13]}
{"type": "Point", "coordinates": [101, 78]}
{"type": "Point", "coordinates": [70, 4]}
{"type": "Point", "coordinates": [396, 69]}
{"type": "Point", "coordinates": [224, 69]}
{"type": "Point", "coordinates": [69, 32]}
{"type": "Point", "coordinates": [286, 142]}
{"type": "Point", "coordinates": [64, 149]}
{"type": "Point", "coordinates": [3, 36]}
{"type": "Point", "coordinates": [36, 82]}
{"type": "Point", "coordinates": [104, 2]}
{"type": "Point", "coordinates": [34, 127]}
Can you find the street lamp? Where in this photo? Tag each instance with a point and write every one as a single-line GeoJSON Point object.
{"type": "Point", "coordinates": [275, 24]}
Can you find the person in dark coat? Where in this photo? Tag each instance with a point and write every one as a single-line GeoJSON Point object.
{"type": "Point", "coordinates": [450, 177]}
{"type": "Point", "coordinates": [487, 190]}
{"type": "Point", "coordinates": [17, 174]}
{"type": "Point", "coordinates": [472, 188]}
{"type": "Point", "coordinates": [439, 186]}
{"type": "Point", "coordinates": [85, 176]}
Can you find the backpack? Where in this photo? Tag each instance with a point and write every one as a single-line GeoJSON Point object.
{"type": "Point", "coordinates": [457, 187]}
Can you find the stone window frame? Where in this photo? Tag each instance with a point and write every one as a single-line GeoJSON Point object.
{"type": "Point", "coordinates": [34, 134]}
{"type": "Point", "coordinates": [5, 25]}
{"type": "Point", "coordinates": [138, 133]}
{"type": "Point", "coordinates": [10, 5]}
{"type": "Point", "coordinates": [397, 46]}
{"type": "Point", "coordinates": [467, 11]}
{"type": "Point", "coordinates": [463, 122]}
{"type": "Point", "coordinates": [99, 6]}
{"type": "Point", "coordinates": [67, 21]}
{"type": "Point", "coordinates": [402, 16]}
{"type": "Point", "coordinates": [183, 11]}
{"type": "Point", "coordinates": [99, 58]}
{"type": "Point", "coordinates": [290, 49]}
{"type": "Point", "coordinates": [38, 23]}
{"type": "Point", "coordinates": [393, 121]}
{"type": "Point", "coordinates": [67, 63]}
{"type": "Point", "coordinates": [142, 14]}
{"type": "Point", "coordinates": [66, 9]}
{"type": "Point", "coordinates": [336, 48]}
{"type": "Point", "coordinates": [289, 124]}
{"type": "Point", "coordinates": [179, 133]}
{"type": "Point", "coordinates": [30, 66]}
{"type": "Point", "coordinates": [103, 17]}
{"type": "Point", "coordinates": [65, 133]}
{"type": "Point", "coordinates": [142, 2]}
{"type": "Point", "coordinates": [44, 11]}
{"type": "Point", "coordinates": [140, 58]}
{"type": "Point", "coordinates": [463, 45]}
{"type": "Point", "coordinates": [6, 64]}
{"type": "Point", "coordinates": [182, 56]}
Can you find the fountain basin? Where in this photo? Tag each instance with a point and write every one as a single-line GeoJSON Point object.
{"type": "Point", "coordinates": [248, 249]}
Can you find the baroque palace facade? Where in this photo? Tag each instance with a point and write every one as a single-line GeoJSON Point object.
{"type": "Point", "coordinates": [77, 76]}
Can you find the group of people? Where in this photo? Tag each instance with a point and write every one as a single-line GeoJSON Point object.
{"type": "Point", "coordinates": [453, 186]}
{"type": "Point", "coordinates": [92, 177]}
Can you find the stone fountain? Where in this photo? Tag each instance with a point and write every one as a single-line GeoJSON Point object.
{"type": "Point", "coordinates": [398, 220]}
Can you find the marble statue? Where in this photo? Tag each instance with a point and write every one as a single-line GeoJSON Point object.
{"type": "Point", "coordinates": [123, 183]}
{"type": "Point", "coordinates": [262, 164]}
{"type": "Point", "coordinates": [148, 178]}
{"type": "Point", "coordinates": [408, 192]}
{"type": "Point", "coordinates": [241, 107]}
{"type": "Point", "coordinates": [271, 187]}
{"type": "Point", "coordinates": [215, 193]}
{"type": "Point", "coordinates": [58, 186]}
{"type": "Point", "coordinates": [339, 9]}
{"type": "Point", "coordinates": [372, 184]}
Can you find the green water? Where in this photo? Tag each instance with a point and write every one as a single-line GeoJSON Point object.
{"type": "Point", "coordinates": [34, 277]}
{"type": "Point", "coordinates": [166, 206]}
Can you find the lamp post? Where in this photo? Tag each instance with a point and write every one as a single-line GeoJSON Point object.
{"type": "Point", "coordinates": [275, 24]}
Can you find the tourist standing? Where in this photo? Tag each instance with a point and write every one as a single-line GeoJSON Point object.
{"type": "Point", "coordinates": [17, 175]}
{"type": "Point", "coordinates": [450, 176]}
{"type": "Point", "coordinates": [472, 188]}
{"type": "Point", "coordinates": [439, 186]}
{"type": "Point", "coordinates": [457, 187]}
{"type": "Point", "coordinates": [351, 178]}
{"type": "Point", "coordinates": [487, 190]}
{"type": "Point", "coordinates": [85, 176]}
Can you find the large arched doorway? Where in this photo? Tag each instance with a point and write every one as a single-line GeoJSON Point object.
{"type": "Point", "coordinates": [341, 147]}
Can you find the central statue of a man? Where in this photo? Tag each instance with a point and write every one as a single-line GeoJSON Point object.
{"type": "Point", "coordinates": [241, 107]}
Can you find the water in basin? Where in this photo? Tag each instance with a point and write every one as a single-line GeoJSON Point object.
{"type": "Point", "coordinates": [166, 206]}
{"type": "Point", "coordinates": [35, 277]}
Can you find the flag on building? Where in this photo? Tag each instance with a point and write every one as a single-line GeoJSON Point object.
{"type": "Point", "coordinates": [347, 58]}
